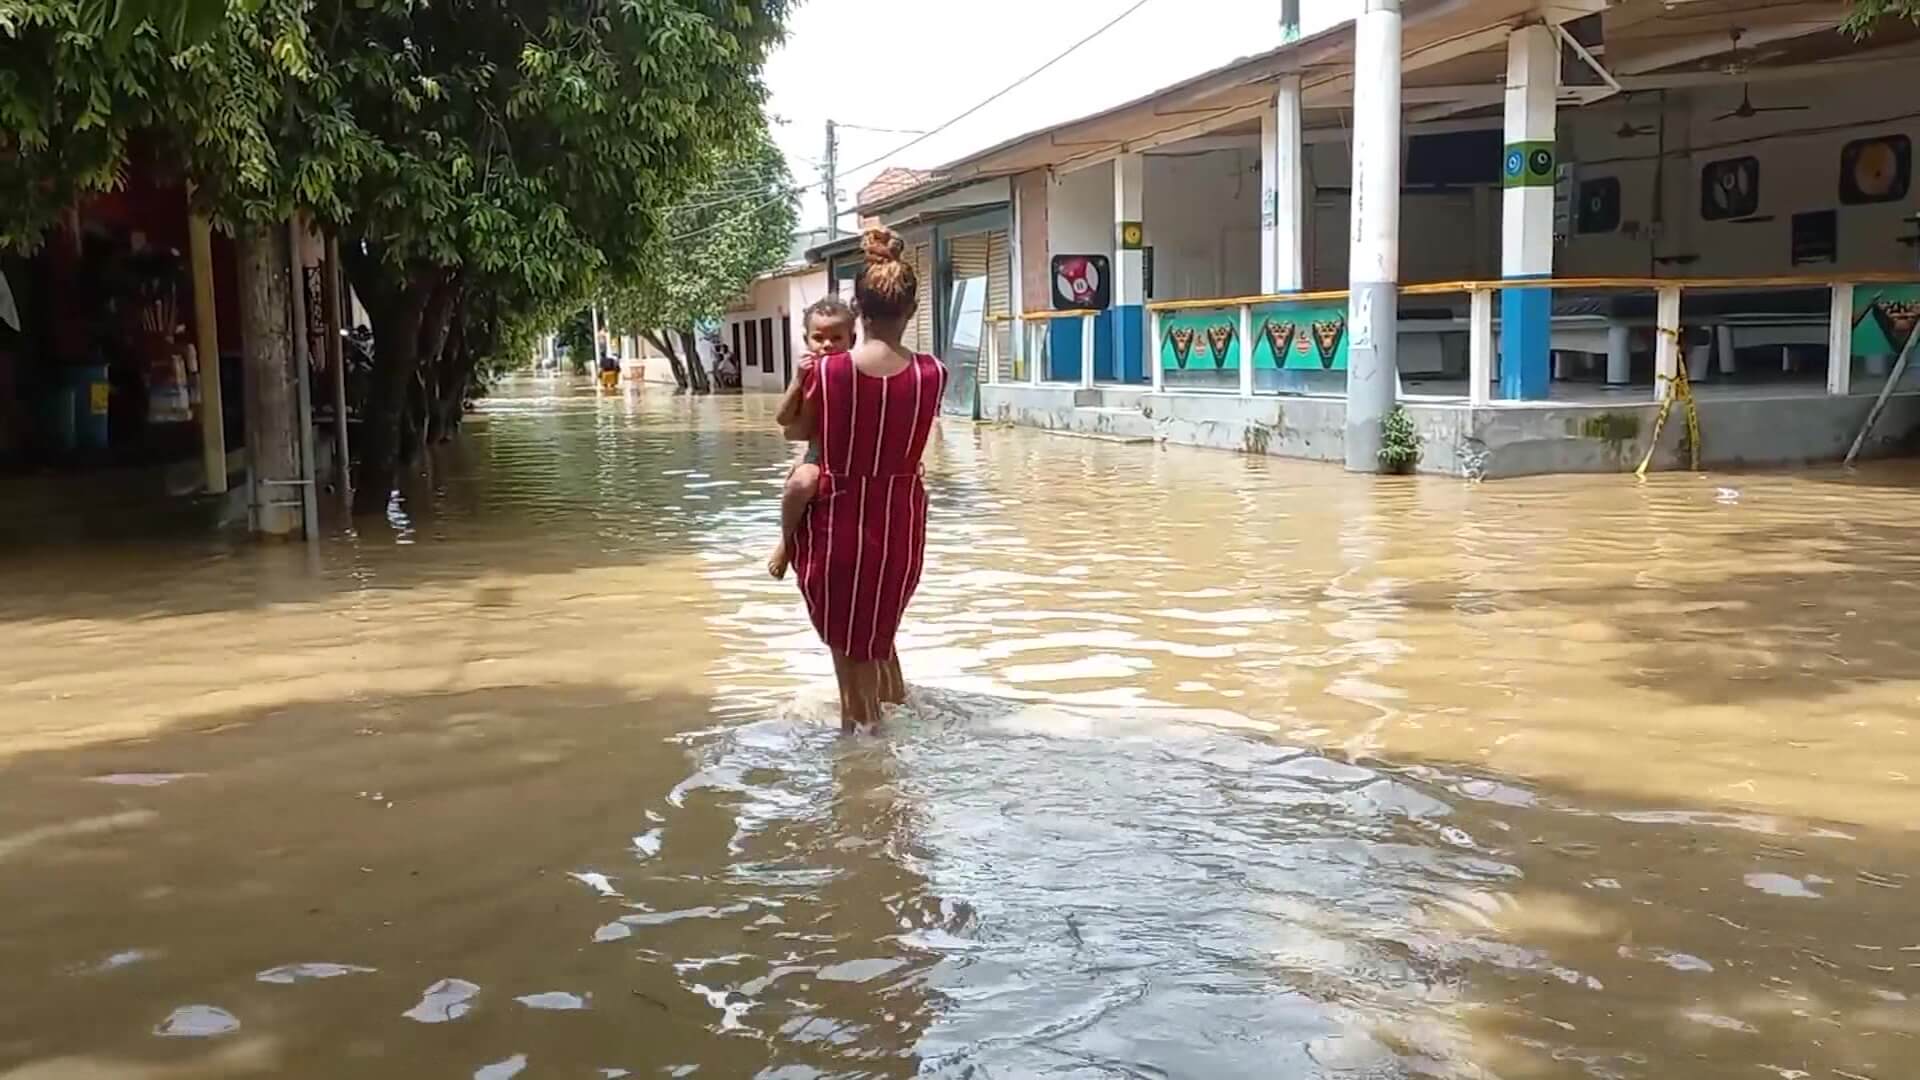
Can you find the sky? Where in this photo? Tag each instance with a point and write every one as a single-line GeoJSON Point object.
{"type": "Point", "coordinates": [913, 64]}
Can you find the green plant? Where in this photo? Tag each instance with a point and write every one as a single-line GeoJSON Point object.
{"type": "Point", "coordinates": [1399, 442]}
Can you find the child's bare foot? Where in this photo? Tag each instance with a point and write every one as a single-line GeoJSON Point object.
{"type": "Point", "coordinates": [778, 561]}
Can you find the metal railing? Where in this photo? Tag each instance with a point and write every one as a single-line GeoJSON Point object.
{"type": "Point", "coordinates": [1296, 342]}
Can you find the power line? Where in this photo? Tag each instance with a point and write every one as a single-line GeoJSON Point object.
{"type": "Point", "coordinates": [925, 135]}
{"type": "Point", "coordinates": [1005, 90]}
{"type": "Point", "coordinates": [883, 130]}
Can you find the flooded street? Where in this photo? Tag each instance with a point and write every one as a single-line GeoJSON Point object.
{"type": "Point", "coordinates": [1218, 767]}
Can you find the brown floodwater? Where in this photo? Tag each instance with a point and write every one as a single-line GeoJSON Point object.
{"type": "Point", "coordinates": [1218, 766]}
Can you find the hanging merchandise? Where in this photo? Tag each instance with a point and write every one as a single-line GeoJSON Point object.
{"type": "Point", "coordinates": [9, 312]}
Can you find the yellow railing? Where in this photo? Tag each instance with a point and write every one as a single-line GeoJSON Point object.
{"type": "Point", "coordinates": [1030, 346]}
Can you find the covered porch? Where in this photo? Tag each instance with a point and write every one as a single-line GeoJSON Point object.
{"type": "Point", "coordinates": [1593, 210]}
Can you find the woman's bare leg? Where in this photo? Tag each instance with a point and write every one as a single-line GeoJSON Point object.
{"type": "Point", "coordinates": [893, 685]}
{"type": "Point", "coordinates": [866, 700]}
{"type": "Point", "coordinates": [843, 673]}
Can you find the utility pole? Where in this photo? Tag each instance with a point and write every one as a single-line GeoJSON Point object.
{"type": "Point", "coordinates": [832, 181]}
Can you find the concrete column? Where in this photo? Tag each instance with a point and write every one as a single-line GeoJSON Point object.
{"type": "Point", "coordinates": [1619, 355]}
{"type": "Point", "coordinates": [1526, 234]}
{"type": "Point", "coordinates": [1282, 187]}
{"type": "Point", "coordinates": [1129, 270]}
{"type": "Point", "coordinates": [1840, 342]}
{"type": "Point", "coordinates": [1374, 256]}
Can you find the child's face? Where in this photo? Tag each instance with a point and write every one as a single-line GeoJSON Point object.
{"type": "Point", "coordinates": [827, 335]}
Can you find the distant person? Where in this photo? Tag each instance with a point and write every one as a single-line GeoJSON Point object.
{"type": "Point", "coordinates": [860, 551]}
{"type": "Point", "coordinates": [829, 328]}
{"type": "Point", "coordinates": [609, 371]}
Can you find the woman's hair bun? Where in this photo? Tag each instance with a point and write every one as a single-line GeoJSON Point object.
{"type": "Point", "coordinates": [881, 244]}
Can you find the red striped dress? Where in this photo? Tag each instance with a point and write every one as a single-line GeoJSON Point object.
{"type": "Point", "coordinates": [860, 549]}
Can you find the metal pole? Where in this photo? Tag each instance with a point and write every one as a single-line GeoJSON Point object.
{"type": "Point", "coordinates": [832, 180]}
{"type": "Point", "coordinates": [1880, 403]}
{"type": "Point", "coordinates": [303, 378]}
{"type": "Point", "coordinates": [337, 361]}
{"type": "Point", "coordinates": [206, 336]}
{"type": "Point", "coordinates": [1374, 263]}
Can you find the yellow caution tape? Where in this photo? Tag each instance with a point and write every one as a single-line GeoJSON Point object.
{"type": "Point", "coordinates": [1682, 391]}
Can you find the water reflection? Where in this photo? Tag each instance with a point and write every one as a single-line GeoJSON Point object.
{"type": "Point", "coordinates": [1217, 767]}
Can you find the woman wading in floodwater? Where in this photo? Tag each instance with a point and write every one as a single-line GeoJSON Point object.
{"type": "Point", "coordinates": [859, 552]}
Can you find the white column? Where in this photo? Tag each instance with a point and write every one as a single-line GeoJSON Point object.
{"type": "Point", "coordinates": [1088, 324]}
{"type": "Point", "coordinates": [1017, 338]}
{"type": "Point", "coordinates": [1526, 228]}
{"type": "Point", "coordinates": [1246, 350]}
{"type": "Point", "coordinates": [1619, 355]}
{"type": "Point", "coordinates": [1156, 372]}
{"type": "Point", "coordinates": [1480, 344]}
{"type": "Point", "coordinates": [1128, 319]}
{"type": "Point", "coordinates": [1840, 342]}
{"type": "Point", "coordinates": [1282, 188]}
{"type": "Point", "coordinates": [1374, 255]}
{"type": "Point", "coordinates": [1666, 344]}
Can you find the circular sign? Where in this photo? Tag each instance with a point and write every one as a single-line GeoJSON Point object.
{"type": "Point", "coordinates": [1132, 235]}
{"type": "Point", "coordinates": [1540, 161]}
{"type": "Point", "coordinates": [1514, 162]}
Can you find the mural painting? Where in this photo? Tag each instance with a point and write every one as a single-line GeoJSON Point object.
{"type": "Point", "coordinates": [1200, 340]}
{"type": "Point", "coordinates": [1300, 337]}
{"type": "Point", "coordinates": [1883, 318]}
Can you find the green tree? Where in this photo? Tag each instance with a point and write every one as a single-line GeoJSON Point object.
{"type": "Point", "coordinates": [519, 151]}
{"type": "Point", "coordinates": [1867, 14]}
{"type": "Point", "coordinates": [482, 161]}
{"type": "Point", "coordinates": [737, 224]}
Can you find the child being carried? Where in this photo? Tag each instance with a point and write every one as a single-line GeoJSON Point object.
{"type": "Point", "coordinates": [829, 329]}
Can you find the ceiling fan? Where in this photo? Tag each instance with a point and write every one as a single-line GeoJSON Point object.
{"type": "Point", "coordinates": [1747, 110]}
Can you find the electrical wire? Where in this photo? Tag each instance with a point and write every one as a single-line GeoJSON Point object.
{"type": "Point", "coordinates": [924, 136]}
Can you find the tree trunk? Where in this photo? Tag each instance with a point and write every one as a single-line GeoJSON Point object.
{"type": "Point", "coordinates": [664, 342]}
{"type": "Point", "coordinates": [701, 384]}
{"type": "Point", "coordinates": [272, 404]}
{"type": "Point", "coordinates": [396, 358]}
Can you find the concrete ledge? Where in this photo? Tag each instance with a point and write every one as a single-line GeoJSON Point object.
{"type": "Point", "coordinates": [1520, 439]}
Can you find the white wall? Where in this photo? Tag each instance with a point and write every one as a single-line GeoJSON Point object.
{"type": "Point", "coordinates": [1202, 217]}
{"type": "Point", "coordinates": [1080, 212]}
{"type": "Point", "coordinates": [1799, 155]}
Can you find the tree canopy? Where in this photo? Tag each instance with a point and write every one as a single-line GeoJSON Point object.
{"type": "Point", "coordinates": [736, 224]}
{"type": "Point", "coordinates": [483, 162]}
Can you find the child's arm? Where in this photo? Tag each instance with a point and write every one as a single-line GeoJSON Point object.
{"type": "Point", "coordinates": [790, 401]}
{"type": "Point", "coordinates": [799, 414]}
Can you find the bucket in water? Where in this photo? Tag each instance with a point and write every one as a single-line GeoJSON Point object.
{"type": "Point", "coordinates": [91, 400]}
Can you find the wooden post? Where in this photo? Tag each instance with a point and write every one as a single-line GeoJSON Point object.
{"type": "Point", "coordinates": [337, 362]}
{"type": "Point", "coordinates": [206, 344]}
{"type": "Point", "coordinates": [1666, 345]}
{"type": "Point", "coordinates": [1480, 347]}
{"type": "Point", "coordinates": [1039, 341]}
{"type": "Point", "coordinates": [1840, 342]}
{"type": "Point", "coordinates": [266, 342]}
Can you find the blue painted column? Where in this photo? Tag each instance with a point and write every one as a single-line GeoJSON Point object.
{"type": "Point", "coordinates": [1127, 322]}
{"type": "Point", "coordinates": [1528, 172]}
{"type": "Point", "coordinates": [1063, 351]}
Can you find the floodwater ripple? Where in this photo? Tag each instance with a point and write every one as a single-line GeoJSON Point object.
{"type": "Point", "coordinates": [1215, 767]}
